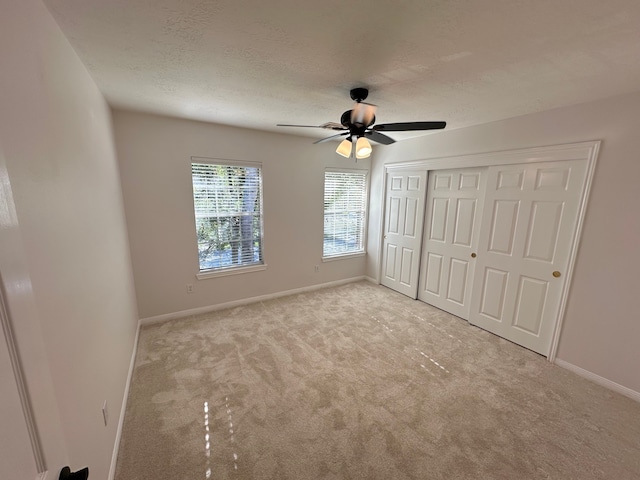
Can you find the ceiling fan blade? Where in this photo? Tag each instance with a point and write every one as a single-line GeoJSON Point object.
{"type": "Point", "coordinates": [363, 114]}
{"type": "Point", "coordinates": [322, 140]}
{"type": "Point", "coordinates": [328, 125]}
{"type": "Point", "coordinates": [334, 126]}
{"type": "Point", "coordinates": [379, 137]}
{"type": "Point", "coordinates": [287, 125]}
{"type": "Point", "coordinates": [408, 126]}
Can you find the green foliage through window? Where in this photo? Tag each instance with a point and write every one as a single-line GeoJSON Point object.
{"type": "Point", "coordinates": [228, 208]}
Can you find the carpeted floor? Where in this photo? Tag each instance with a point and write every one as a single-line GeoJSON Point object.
{"type": "Point", "coordinates": [360, 382]}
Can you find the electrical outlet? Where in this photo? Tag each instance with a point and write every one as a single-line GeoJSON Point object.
{"type": "Point", "coordinates": [189, 287]}
{"type": "Point", "coordinates": [317, 268]}
{"type": "Point", "coordinates": [105, 413]}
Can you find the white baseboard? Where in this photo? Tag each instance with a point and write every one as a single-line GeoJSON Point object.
{"type": "Point", "coordinates": [245, 301]}
{"type": "Point", "coordinates": [627, 392]}
{"type": "Point", "coordinates": [372, 280]}
{"type": "Point", "coordinates": [116, 446]}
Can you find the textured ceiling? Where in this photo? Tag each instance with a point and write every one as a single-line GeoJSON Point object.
{"type": "Point", "coordinates": [254, 63]}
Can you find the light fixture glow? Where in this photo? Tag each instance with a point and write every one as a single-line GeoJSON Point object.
{"type": "Point", "coordinates": [363, 148]}
{"type": "Point", "coordinates": [344, 148]}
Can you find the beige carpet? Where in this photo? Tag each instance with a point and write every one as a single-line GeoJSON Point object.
{"type": "Point", "coordinates": [359, 382]}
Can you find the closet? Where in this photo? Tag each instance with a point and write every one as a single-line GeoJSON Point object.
{"type": "Point", "coordinates": [497, 241]}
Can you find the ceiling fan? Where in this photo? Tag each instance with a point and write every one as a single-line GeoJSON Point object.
{"type": "Point", "coordinates": [357, 125]}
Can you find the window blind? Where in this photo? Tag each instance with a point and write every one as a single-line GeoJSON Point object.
{"type": "Point", "coordinates": [227, 202]}
{"type": "Point", "coordinates": [345, 202]}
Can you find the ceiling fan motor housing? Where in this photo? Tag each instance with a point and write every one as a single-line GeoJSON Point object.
{"type": "Point", "coordinates": [359, 94]}
{"type": "Point", "coordinates": [354, 129]}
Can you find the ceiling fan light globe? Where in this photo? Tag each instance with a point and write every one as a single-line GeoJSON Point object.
{"type": "Point", "coordinates": [363, 148]}
{"type": "Point", "coordinates": [344, 148]}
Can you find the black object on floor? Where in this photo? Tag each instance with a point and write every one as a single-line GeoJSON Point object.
{"type": "Point", "coordinates": [67, 474]}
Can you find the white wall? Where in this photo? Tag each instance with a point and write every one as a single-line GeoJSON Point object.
{"type": "Point", "coordinates": [601, 328]}
{"type": "Point", "coordinates": [155, 163]}
{"type": "Point", "coordinates": [64, 254]}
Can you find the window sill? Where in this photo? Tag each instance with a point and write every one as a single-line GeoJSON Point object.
{"type": "Point", "coordinates": [230, 271]}
{"type": "Point", "coordinates": [343, 256]}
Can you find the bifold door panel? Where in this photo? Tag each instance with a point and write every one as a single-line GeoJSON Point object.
{"type": "Point", "coordinates": [404, 217]}
{"type": "Point", "coordinates": [451, 234]}
{"type": "Point", "coordinates": [528, 229]}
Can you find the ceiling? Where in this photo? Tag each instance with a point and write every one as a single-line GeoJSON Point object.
{"type": "Point", "coordinates": [254, 63]}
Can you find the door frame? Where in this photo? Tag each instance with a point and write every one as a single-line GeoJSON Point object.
{"type": "Point", "coordinates": [587, 151]}
{"type": "Point", "coordinates": [21, 385]}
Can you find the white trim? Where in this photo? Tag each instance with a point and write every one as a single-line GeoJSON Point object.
{"type": "Point", "coordinates": [348, 170]}
{"type": "Point", "coordinates": [21, 385]}
{"type": "Point", "coordinates": [343, 256]}
{"type": "Point", "coordinates": [551, 153]}
{"type": "Point", "coordinates": [226, 161]}
{"type": "Point", "coordinates": [245, 301]}
{"type": "Point", "coordinates": [224, 272]}
{"type": "Point", "coordinates": [116, 446]}
{"type": "Point", "coordinates": [604, 382]}
{"type": "Point", "coordinates": [573, 252]}
{"type": "Point", "coordinates": [372, 280]}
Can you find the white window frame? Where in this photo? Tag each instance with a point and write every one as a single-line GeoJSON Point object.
{"type": "Point", "coordinates": [363, 250]}
{"type": "Point", "coordinates": [232, 269]}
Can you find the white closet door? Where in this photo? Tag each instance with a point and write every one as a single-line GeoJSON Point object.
{"type": "Point", "coordinates": [404, 217]}
{"type": "Point", "coordinates": [451, 234]}
{"type": "Point", "coordinates": [529, 224]}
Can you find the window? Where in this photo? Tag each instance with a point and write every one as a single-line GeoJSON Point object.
{"type": "Point", "coordinates": [345, 205]}
{"type": "Point", "coordinates": [227, 198]}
